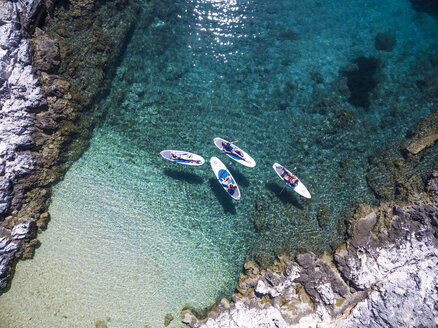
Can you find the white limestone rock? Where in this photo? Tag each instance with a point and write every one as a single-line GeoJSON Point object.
{"type": "Point", "coordinates": [21, 96]}
{"type": "Point", "coordinates": [407, 298]}
{"type": "Point", "coordinates": [3, 242]}
{"type": "Point", "coordinates": [23, 230]}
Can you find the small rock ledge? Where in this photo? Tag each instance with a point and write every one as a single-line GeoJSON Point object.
{"type": "Point", "coordinates": [379, 278]}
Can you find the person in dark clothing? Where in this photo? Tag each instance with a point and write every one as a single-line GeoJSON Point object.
{"type": "Point", "coordinates": [228, 148]}
{"type": "Point", "coordinates": [228, 185]}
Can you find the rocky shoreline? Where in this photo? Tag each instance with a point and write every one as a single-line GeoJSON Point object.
{"type": "Point", "coordinates": [46, 108]}
{"type": "Point", "coordinates": [384, 276]}
{"type": "Point", "coordinates": [21, 97]}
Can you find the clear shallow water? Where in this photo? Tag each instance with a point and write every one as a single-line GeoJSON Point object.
{"type": "Point", "coordinates": [133, 237]}
{"type": "Point", "coordinates": [125, 252]}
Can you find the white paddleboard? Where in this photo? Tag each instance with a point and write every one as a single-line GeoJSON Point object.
{"type": "Point", "coordinates": [299, 187]}
{"type": "Point", "coordinates": [245, 159]}
{"type": "Point", "coordinates": [224, 177]}
{"type": "Point", "coordinates": [182, 157]}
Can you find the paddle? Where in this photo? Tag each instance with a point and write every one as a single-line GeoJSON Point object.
{"type": "Point", "coordinates": [282, 190]}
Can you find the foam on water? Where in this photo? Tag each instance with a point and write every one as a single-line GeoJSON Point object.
{"type": "Point", "coordinates": [133, 237]}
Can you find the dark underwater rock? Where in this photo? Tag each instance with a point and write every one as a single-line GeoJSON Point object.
{"type": "Point", "coordinates": [362, 80]}
{"type": "Point", "coordinates": [384, 41]}
{"type": "Point", "coordinates": [427, 6]}
{"type": "Point", "coordinates": [48, 57]}
{"type": "Point", "coordinates": [286, 34]}
{"type": "Point", "coordinates": [323, 216]}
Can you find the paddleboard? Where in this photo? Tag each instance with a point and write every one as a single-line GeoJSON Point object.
{"type": "Point", "coordinates": [182, 157]}
{"type": "Point", "coordinates": [299, 187]}
{"type": "Point", "coordinates": [246, 160]}
{"type": "Point", "coordinates": [224, 177]}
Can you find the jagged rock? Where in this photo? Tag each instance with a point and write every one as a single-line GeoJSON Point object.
{"type": "Point", "coordinates": [319, 279]}
{"type": "Point", "coordinates": [20, 97]}
{"type": "Point", "coordinates": [23, 230]}
{"type": "Point", "coordinates": [30, 13]}
{"type": "Point", "coordinates": [3, 242]}
{"type": "Point", "coordinates": [4, 270]}
{"type": "Point", "coordinates": [367, 259]}
{"type": "Point", "coordinates": [10, 248]}
{"type": "Point", "coordinates": [241, 314]}
{"type": "Point", "coordinates": [407, 298]}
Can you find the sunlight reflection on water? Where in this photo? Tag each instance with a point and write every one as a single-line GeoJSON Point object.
{"type": "Point", "coordinates": [222, 22]}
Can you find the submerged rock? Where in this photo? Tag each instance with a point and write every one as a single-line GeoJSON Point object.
{"type": "Point", "coordinates": [168, 319]}
{"type": "Point", "coordinates": [384, 41]}
{"type": "Point", "coordinates": [362, 80]}
{"type": "Point", "coordinates": [323, 216]}
{"type": "Point", "coordinates": [100, 324]}
{"type": "Point", "coordinates": [424, 134]}
{"type": "Point", "coordinates": [48, 57]}
{"type": "Point", "coordinates": [427, 6]}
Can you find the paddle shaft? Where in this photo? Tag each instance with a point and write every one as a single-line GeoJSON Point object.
{"type": "Point", "coordinates": [282, 190]}
{"type": "Point", "coordinates": [220, 177]}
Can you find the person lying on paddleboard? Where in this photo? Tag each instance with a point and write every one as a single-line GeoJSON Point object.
{"type": "Point", "coordinates": [183, 157]}
{"type": "Point", "coordinates": [289, 177]}
{"type": "Point", "coordinates": [228, 148]}
{"type": "Point", "coordinates": [226, 183]}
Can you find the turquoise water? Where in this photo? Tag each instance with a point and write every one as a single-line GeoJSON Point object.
{"type": "Point", "coordinates": [133, 237]}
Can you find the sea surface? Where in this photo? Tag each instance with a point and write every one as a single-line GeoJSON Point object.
{"type": "Point", "coordinates": [134, 237]}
